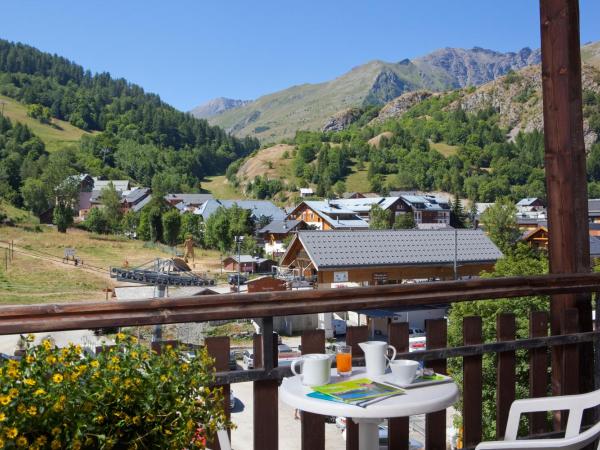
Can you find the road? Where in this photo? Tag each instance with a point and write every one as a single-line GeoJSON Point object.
{"type": "Point", "coordinates": [289, 428]}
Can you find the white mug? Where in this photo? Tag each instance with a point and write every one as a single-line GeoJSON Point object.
{"type": "Point", "coordinates": [316, 368]}
{"type": "Point", "coordinates": [404, 370]}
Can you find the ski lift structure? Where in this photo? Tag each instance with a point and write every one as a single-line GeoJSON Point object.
{"type": "Point", "coordinates": [161, 272]}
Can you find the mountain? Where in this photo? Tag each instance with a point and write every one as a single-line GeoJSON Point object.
{"type": "Point", "coordinates": [590, 53]}
{"type": "Point", "coordinates": [216, 106]}
{"type": "Point", "coordinates": [516, 97]}
{"type": "Point", "coordinates": [308, 106]}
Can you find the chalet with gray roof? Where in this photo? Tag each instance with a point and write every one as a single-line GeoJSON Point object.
{"type": "Point", "coordinates": [365, 257]}
{"type": "Point", "coordinates": [257, 208]}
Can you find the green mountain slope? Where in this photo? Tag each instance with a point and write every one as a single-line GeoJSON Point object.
{"type": "Point", "coordinates": [55, 135]}
{"type": "Point", "coordinates": [306, 107]}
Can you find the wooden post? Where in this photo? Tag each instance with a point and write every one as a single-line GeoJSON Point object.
{"type": "Point", "coordinates": [538, 370]}
{"type": "Point", "coordinates": [565, 163]}
{"type": "Point", "coordinates": [266, 408]}
{"type": "Point", "coordinates": [472, 384]}
{"type": "Point", "coordinates": [313, 425]}
{"type": "Point", "coordinates": [398, 428]}
{"type": "Point", "coordinates": [218, 348]}
{"type": "Point", "coordinates": [354, 335]}
{"type": "Point", "coordinates": [435, 423]}
{"type": "Point", "coordinates": [506, 375]}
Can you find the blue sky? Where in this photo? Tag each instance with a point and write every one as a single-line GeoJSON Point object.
{"type": "Point", "coordinates": [189, 51]}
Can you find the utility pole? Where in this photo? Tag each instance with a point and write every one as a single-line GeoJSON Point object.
{"type": "Point", "coordinates": [455, 254]}
{"type": "Point", "coordinates": [238, 241]}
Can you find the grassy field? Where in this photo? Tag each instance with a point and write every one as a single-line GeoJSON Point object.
{"type": "Point", "coordinates": [55, 136]}
{"type": "Point", "coordinates": [34, 276]}
{"type": "Point", "coordinates": [445, 149]}
{"type": "Point", "coordinates": [357, 180]}
{"type": "Point", "coordinates": [220, 188]}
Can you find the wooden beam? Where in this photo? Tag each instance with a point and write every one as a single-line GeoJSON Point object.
{"type": "Point", "coordinates": [565, 163]}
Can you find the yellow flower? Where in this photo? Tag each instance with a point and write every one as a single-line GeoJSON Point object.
{"type": "Point", "coordinates": [121, 336]}
{"type": "Point", "coordinates": [41, 440]}
{"type": "Point", "coordinates": [39, 392]}
{"type": "Point", "coordinates": [29, 382]}
{"type": "Point", "coordinates": [30, 358]}
{"type": "Point", "coordinates": [2, 443]}
{"type": "Point", "coordinates": [12, 433]}
{"type": "Point", "coordinates": [2, 417]}
{"type": "Point", "coordinates": [55, 444]}
{"type": "Point", "coordinates": [4, 400]}
{"type": "Point", "coordinates": [22, 441]}
{"type": "Point", "coordinates": [13, 392]}
{"type": "Point", "coordinates": [21, 408]}
{"type": "Point", "coordinates": [94, 364]}
{"type": "Point", "coordinates": [76, 445]}
{"type": "Point", "coordinates": [99, 419]}
{"type": "Point", "coordinates": [32, 410]}
{"type": "Point", "coordinates": [136, 420]}
{"type": "Point", "coordinates": [55, 431]}
{"type": "Point", "coordinates": [57, 378]}
{"type": "Point", "coordinates": [47, 344]}
{"type": "Point", "coordinates": [51, 359]}
{"type": "Point", "coordinates": [133, 339]}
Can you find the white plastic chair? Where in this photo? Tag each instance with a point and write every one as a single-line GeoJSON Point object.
{"type": "Point", "coordinates": [573, 440]}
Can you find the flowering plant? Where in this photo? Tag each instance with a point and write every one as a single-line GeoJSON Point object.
{"type": "Point", "coordinates": [127, 397]}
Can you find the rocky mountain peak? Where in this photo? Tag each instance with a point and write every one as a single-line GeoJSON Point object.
{"type": "Point", "coordinates": [217, 106]}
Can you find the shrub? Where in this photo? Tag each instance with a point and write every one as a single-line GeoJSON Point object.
{"type": "Point", "coordinates": [126, 397]}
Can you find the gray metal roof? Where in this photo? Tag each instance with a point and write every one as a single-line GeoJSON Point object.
{"type": "Point", "coordinates": [594, 206]}
{"type": "Point", "coordinates": [257, 208]}
{"type": "Point", "coordinates": [143, 202]}
{"type": "Point", "coordinates": [136, 194]}
{"type": "Point", "coordinates": [594, 246]}
{"type": "Point", "coordinates": [280, 226]}
{"type": "Point", "coordinates": [333, 249]}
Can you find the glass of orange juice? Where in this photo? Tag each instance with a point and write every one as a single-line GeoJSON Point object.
{"type": "Point", "coordinates": [343, 360]}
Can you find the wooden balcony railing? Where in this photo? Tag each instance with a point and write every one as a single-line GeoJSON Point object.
{"type": "Point", "coordinates": [266, 375]}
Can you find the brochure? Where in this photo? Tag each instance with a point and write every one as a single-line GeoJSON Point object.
{"type": "Point", "coordinates": [357, 392]}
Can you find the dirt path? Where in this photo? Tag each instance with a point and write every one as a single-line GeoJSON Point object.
{"type": "Point", "coordinates": [55, 260]}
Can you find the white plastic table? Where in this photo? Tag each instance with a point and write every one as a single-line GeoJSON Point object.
{"type": "Point", "coordinates": [421, 400]}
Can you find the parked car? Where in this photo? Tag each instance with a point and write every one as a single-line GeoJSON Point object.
{"type": "Point", "coordinates": [383, 437]}
{"type": "Point", "coordinates": [233, 360]}
{"type": "Point", "coordinates": [416, 332]}
{"type": "Point", "coordinates": [248, 359]}
{"type": "Point", "coordinates": [233, 279]}
{"type": "Point", "coordinates": [284, 348]}
{"type": "Point", "coordinates": [232, 400]}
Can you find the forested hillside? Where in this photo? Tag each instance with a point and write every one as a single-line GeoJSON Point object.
{"type": "Point", "coordinates": [138, 136]}
{"type": "Point", "coordinates": [439, 142]}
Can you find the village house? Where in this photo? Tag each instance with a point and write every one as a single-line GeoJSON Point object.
{"type": "Point", "coordinates": [258, 208]}
{"type": "Point", "coordinates": [339, 259]}
{"type": "Point", "coordinates": [538, 238]}
{"type": "Point", "coordinates": [367, 257]}
{"type": "Point", "coordinates": [276, 232]}
{"type": "Point", "coordinates": [362, 206]}
{"type": "Point", "coordinates": [325, 215]}
{"type": "Point", "coordinates": [187, 202]}
{"type": "Point", "coordinates": [306, 192]}
{"type": "Point", "coordinates": [428, 209]}
{"type": "Point", "coordinates": [594, 210]}
{"type": "Point", "coordinates": [248, 264]}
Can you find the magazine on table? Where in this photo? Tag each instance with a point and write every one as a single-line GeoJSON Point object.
{"type": "Point", "coordinates": [360, 392]}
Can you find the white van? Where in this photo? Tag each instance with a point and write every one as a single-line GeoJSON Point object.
{"type": "Point", "coordinates": [339, 327]}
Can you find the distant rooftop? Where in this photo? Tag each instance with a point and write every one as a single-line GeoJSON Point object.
{"type": "Point", "coordinates": [258, 208]}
